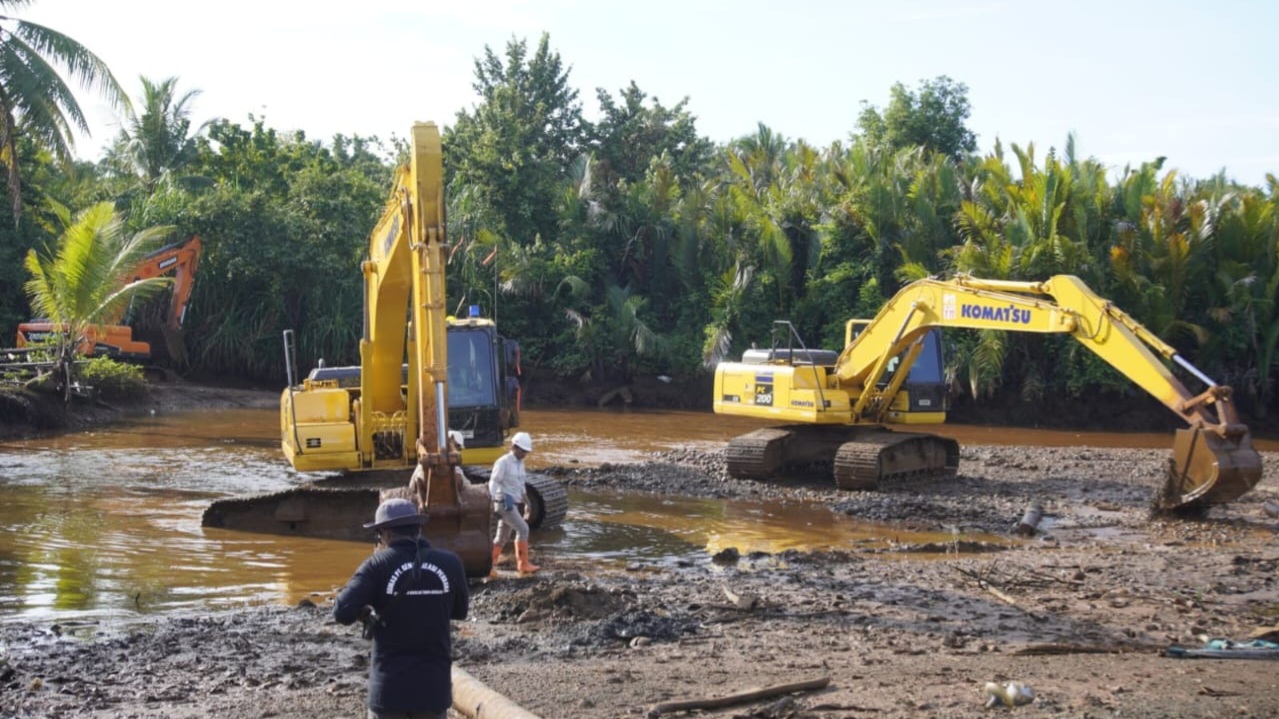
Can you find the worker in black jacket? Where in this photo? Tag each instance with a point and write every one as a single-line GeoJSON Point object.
{"type": "Point", "coordinates": [406, 593]}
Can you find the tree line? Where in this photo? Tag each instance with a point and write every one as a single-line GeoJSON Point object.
{"type": "Point", "coordinates": [634, 246]}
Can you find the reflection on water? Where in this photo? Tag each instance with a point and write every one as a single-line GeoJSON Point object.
{"type": "Point", "coordinates": [667, 530]}
{"type": "Point", "coordinates": [107, 523]}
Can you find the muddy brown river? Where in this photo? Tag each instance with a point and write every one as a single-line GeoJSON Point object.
{"type": "Point", "coordinates": [107, 523]}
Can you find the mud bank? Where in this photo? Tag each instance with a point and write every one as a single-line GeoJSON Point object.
{"type": "Point", "coordinates": [24, 413]}
{"type": "Point", "coordinates": [1082, 612]}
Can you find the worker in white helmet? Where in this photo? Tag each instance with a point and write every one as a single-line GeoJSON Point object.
{"type": "Point", "coordinates": [506, 488]}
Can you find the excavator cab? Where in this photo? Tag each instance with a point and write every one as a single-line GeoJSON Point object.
{"type": "Point", "coordinates": [484, 386]}
{"type": "Point", "coordinates": [922, 396]}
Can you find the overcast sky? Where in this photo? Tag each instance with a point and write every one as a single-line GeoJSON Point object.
{"type": "Point", "coordinates": [1133, 79]}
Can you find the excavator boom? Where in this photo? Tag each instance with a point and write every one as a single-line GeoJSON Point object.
{"type": "Point", "coordinates": [1213, 459]}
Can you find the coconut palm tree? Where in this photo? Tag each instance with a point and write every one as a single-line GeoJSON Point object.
{"type": "Point", "coordinates": [34, 100]}
{"type": "Point", "coordinates": [159, 141]}
{"type": "Point", "coordinates": [85, 280]}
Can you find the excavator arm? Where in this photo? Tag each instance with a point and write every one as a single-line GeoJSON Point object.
{"type": "Point", "coordinates": [1213, 459]}
{"type": "Point", "coordinates": [404, 277]}
{"type": "Point", "coordinates": [395, 417]}
{"type": "Point", "coordinates": [182, 259]}
{"type": "Point", "coordinates": [1060, 305]}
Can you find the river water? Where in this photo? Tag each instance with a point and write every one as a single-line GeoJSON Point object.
{"type": "Point", "coordinates": [107, 523]}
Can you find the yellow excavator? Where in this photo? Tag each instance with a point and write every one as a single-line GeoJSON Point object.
{"type": "Point", "coordinates": [392, 413]}
{"type": "Point", "coordinates": [838, 403]}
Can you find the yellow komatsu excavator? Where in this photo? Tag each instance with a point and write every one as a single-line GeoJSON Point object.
{"type": "Point", "coordinates": [392, 413]}
{"type": "Point", "coordinates": [838, 402]}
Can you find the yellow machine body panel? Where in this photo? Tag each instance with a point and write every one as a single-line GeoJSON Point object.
{"type": "Point", "coordinates": [899, 414]}
{"type": "Point", "coordinates": [790, 393]}
{"type": "Point", "coordinates": [481, 456]}
{"type": "Point", "coordinates": [316, 429]}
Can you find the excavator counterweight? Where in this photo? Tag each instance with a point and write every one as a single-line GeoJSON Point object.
{"type": "Point", "coordinates": [837, 406]}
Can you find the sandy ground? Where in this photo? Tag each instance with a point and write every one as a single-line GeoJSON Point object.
{"type": "Point", "coordinates": [1082, 613]}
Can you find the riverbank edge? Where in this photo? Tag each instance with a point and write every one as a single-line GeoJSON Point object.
{"type": "Point", "coordinates": [28, 413]}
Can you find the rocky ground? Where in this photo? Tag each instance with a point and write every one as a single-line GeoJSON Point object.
{"type": "Point", "coordinates": [1083, 613]}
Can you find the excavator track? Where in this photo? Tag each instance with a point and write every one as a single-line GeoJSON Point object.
{"type": "Point", "coordinates": [860, 457]}
{"type": "Point", "coordinates": [548, 501]}
{"type": "Point", "coordinates": [340, 513]}
{"type": "Point", "coordinates": [872, 458]}
{"type": "Point", "coordinates": [756, 455]}
{"type": "Point", "coordinates": [329, 513]}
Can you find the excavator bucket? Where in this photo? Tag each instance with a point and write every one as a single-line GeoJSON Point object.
{"type": "Point", "coordinates": [1207, 469]}
{"type": "Point", "coordinates": [463, 527]}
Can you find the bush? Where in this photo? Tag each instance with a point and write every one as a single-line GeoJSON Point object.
{"type": "Point", "coordinates": [112, 379]}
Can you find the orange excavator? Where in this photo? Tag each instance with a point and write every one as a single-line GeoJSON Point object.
{"type": "Point", "coordinates": [116, 340]}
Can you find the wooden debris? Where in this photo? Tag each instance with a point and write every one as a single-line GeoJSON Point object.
{"type": "Point", "coordinates": [986, 584]}
{"type": "Point", "coordinates": [474, 699]}
{"type": "Point", "coordinates": [1000, 595]}
{"type": "Point", "coordinates": [1210, 692]}
{"type": "Point", "coordinates": [739, 698]}
{"type": "Point", "coordinates": [841, 708]}
{"type": "Point", "coordinates": [1054, 648]}
{"type": "Point", "coordinates": [1267, 633]}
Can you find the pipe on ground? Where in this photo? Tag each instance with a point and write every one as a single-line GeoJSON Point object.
{"type": "Point", "coordinates": [1029, 522]}
{"type": "Point", "coordinates": [475, 700]}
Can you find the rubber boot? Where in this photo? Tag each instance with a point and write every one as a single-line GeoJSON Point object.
{"type": "Point", "coordinates": [521, 555]}
{"type": "Point", "coordinates": [497, 554]}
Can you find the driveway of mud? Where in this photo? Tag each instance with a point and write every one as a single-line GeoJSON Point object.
{"type": "Point", "coordinates": [1081, 612]}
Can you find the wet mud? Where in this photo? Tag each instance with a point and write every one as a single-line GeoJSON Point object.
{"type": "Point", "coordinates": [1082, 611]}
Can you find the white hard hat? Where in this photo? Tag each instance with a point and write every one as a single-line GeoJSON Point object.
{"type": "Point", "coordinates": [523, 441]}
{"type": "Point", "coordinates": [457, 438]}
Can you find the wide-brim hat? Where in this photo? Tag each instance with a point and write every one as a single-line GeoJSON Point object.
{"type": "Point", "coordinates": [396, 513]}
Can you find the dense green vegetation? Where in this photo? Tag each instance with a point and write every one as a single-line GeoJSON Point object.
{"type": "Point", "coordinates": [633, 246]}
